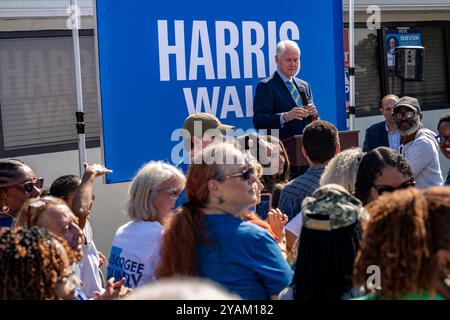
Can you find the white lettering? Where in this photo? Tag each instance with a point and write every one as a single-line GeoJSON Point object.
{"type": "Point", "coordinates": [250, 49]}
{"type": "Point", "coordinates": [165, 49]}
{"type": "Point", "coordinates": [202, 100]}
{"type": "Point", "coordinates": [272, 43]}
{"type": "Point", "coordinates": [231, 103]}
{"type": "Point", "coordinates": [227, 49]}
{"type": "Point", "coordinates": [200, 37]}
{"type": "Point", "coordinates": [289, 26]}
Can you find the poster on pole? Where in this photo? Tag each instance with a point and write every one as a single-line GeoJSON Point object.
{"type": "Point", "coordinates": [401, 36]}
{"type": "Point", "coordinates": [158, 62]}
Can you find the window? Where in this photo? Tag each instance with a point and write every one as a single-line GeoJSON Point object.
{"type": "Point", "coordinates": [38, 95]}
{"type": "Point", "coordinates": [367, 78]}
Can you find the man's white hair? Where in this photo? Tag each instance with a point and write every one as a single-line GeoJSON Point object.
{"type": "Point", "coordinates": [282, 46]}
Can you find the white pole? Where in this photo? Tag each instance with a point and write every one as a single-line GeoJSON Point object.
{"type": "Point", "coordinates": [351, 44]}
{"type": "Point", "coordinates": [80, 110]}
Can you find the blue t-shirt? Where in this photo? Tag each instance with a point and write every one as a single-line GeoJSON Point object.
{"type": "Point", "coordinates": [243, 258]}
{"type": "Point", "coordinates": [182, 198]}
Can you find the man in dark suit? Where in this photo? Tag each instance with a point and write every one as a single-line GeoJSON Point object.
{"type": "Point", "coordinates": [384, 133]}
{"type": "Point", "coordinates": [278, 103]}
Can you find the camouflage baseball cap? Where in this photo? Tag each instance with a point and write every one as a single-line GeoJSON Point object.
{"type": "Point", "coordinates": [207, 121]}
{"type": "Point", "coordinates": [331, 207]}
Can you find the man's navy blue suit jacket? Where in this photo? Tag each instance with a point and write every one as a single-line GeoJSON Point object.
{"type": "Point", "coordinates": [376, 136]}
{"type": "Point", "coordinates": [271, 99]}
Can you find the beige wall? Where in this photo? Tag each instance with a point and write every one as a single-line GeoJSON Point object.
{"type": "Point", "coordinates": [37, 24]}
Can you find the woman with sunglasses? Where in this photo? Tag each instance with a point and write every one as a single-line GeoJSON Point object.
{"type": "Point", "coordinates": [151, 201]}
{"type": "Point", "coordinates": [276, 220]}
{"type": "Point", "coordinates": [18, 183]}
{"type": "Point", "coordinates": [444, 140]}
{"type": "Point", "coordinates": [208, 239]}
{"type": "Point", "coordinates": [382, 170]}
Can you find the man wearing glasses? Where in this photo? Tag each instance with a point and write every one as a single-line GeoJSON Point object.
{"type": "Point", "coordinates": [418, 145]}
{"type": "Point", "coordinates": [444, 139]}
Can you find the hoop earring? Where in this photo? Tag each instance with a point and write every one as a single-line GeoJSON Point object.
{"type": "Point", "coordinates": [5, 208]}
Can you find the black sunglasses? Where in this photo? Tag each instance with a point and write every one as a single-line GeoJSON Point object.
{"type": "Point", "coordinates": [28, 186]}
{"type": "Point", "coordinates": [442, 139]}
{"type": "Point", "coordinates": [386, 188]}
{"type": "Point", "coordinates": [245, 175]}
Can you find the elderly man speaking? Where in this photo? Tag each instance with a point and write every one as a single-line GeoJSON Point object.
{"type": "Point", "coordinates": [279, 99]}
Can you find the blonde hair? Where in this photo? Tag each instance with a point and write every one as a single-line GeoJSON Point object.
{"type": "Point", "coordinates": [32, 209]}
{"type": "Point", "coordinates": [142, 189]}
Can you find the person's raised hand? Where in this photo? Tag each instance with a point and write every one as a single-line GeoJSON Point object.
{"type": "Point", "coordinates": [95, 169]}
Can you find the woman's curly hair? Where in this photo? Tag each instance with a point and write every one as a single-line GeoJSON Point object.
{"type": "Point", "coordinates": [396, 238]}
{"type": "Point", "coordinates": [31, 263]}
{"type": "Point", "coordinates": [370, 168]}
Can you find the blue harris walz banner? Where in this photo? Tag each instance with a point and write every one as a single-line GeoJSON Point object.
{"type": "Point", "coordinates": [161, 61]}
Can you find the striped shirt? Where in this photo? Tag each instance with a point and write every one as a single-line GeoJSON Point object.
{"type": "Point", "coordinates": [298, 189]}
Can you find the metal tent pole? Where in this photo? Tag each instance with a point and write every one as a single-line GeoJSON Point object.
{"type": "Point", "coordinates": [80, 125]}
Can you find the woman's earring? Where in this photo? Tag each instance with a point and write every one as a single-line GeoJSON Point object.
{"type": "Point", "coordinates": [5, 208]}
{"type": "Point", "coordinates": [220, 199]}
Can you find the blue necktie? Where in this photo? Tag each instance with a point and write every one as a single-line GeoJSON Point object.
{"type": "Point", "coordinates": [294, 93]}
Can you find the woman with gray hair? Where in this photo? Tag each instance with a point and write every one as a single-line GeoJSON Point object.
{"type": "Point", "coordinates": [136, 245]}
{"type": "Point", "coordinates": [342, 170]}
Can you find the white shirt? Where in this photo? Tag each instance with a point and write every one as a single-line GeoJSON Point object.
{"type": "Point", "coordinates": [135, 252]}
{"type": "Point", "coordinates": [422, 155]}
{"type": "Point", "coordinates": [294, 226]}
{"type": "Point", "coordinates": [88, 268]}
{"type": "Point", "coordinates": [393, 138]}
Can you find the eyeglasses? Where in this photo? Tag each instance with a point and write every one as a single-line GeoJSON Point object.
{"type": "Point", "coordinates": [407, 115]}
{"type": "Point", "coordinates": [385, 188]}
{"type": "Point", "coordinates": [442, 139]}
{"type": "Point", "coordinates": [28, 186]}
{"type": "Point", "coordinates": [245, 175]}
{"type": "Point", "coordinates": [173, 192]}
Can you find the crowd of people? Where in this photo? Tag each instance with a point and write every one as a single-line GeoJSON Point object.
{"type": "Point", "coordinates": [351, 212]}
{"type": "Point", "coordinates": [230, 221]}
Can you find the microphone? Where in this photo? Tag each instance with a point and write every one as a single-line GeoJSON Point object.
{"type": "Point", "coordinates": [305, 101]}
{"type": "Point", "coordinates": [302, 92]}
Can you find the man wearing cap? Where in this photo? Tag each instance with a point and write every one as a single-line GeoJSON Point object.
{"type": "Point", "coordinates": [278, 102]}
{"type": "Point", "coordinates": [200, 130]}
{"type": "Point", "coordinates": [418, 145]}
{"type": "Point", "coordinates": [384, 133]}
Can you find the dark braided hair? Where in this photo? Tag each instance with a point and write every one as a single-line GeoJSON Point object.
{"type": "Point", "coordinates": [30, 263]}
{"type": "Point", "coordinates": [370, 168]}
{"type": "Point", "coordinates": [9, 170]}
